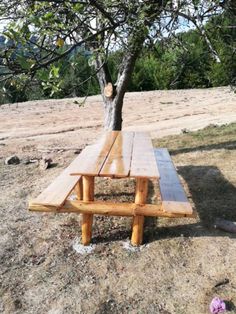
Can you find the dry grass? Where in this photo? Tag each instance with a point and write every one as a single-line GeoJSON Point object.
{"type": "Point", "coordinates": [182, 266]}
{"type": "Point", "coordinates": [206, 162]}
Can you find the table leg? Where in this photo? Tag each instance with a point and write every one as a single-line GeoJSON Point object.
{"type": "Point", "coordinates": [87, 219]}
{"type": "Point", "coordinates": [79, 189]}
{"type": "Point", "coordinates": [138, 221]}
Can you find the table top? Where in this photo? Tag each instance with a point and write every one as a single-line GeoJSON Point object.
{"type": "Point", "coordinates": [118, 154]}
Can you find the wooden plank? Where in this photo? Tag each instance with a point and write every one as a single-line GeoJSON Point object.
{"type": "Point", "coordinates": [177, 208]}
{"type": "Point", "coordinates": [167, 173]}
{"type": "Point", "coordinates": [118, 162]}
{"type": "Point", "coordinates": [92, 158]}
{"type": "Point", "coordinates": [142, 134]}
{"type": "Point", "coordinates": [162, 154]}
{"type": "Point", "coordinates": [107, 209]}
{"type": "Point", "coordinates": [58, 191]}
{"type": "Point", "coordinates": [143, 164]}
{"type": "Point", "coordinates": [174, 199]}
{"type": "Point", "coordinates": [138, 221]}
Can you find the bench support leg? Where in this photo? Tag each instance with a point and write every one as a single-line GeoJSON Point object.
{"type": "Point", "coordinates": [138, 221]}
{"type": "Point", "coordinates": [87, 219]}
{"type": "Point", "coordinates": [79, 190]}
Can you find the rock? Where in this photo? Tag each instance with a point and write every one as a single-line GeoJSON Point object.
{"type": "Point", "coordinates": [212, 125]}
{"type": "Point", "coordinates": [45, 163]}
{"type": "Point", "coordinates": [224, 281]}
{"type": "Point", "coordinates": [184, 131]}
{"type": "Point", "coordinates": [28, 161]}
{"type": "Point", "coordinates": [12, 160]}
{"type": "Point", "coordinates": [33, 161]}
{"type": "Point", "coordinates": [77, 151]}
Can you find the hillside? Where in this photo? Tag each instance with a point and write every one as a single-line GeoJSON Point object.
{"type": "Point", "coordinates": [183, 264]}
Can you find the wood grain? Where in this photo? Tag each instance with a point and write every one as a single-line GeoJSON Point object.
{"type": "Point", "coordinates": [162, 154]}
{"type": "Point", "coordinates": [79, 190]}
{"type": "Point", "coordinates": [143, 164]}
{"type": "Point", "coordinates": [138, 221]}
{"type": "Point", "coordinates": [58, 191]}
{"type": "Point", "coordinates": [118, 162]}
{"type": "Point", "coordinates": [168, 173]}
{"type": "Point", "coordinates": [107, 208]}
{"type": "Point", "coordinates": [92, 158]}
{"type": "Point", "coordinates": [87, 219]}
{"type": "Point", "coordinates": [174, 199]}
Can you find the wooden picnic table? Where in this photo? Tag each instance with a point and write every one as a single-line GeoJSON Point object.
{"type": "Point", "coordinates": [117, 155]}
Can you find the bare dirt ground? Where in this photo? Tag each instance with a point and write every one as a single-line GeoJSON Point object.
{"type": "Point", "coordinates": [63, 122]}
{"type": "Point", "coordinates": [184, 262]}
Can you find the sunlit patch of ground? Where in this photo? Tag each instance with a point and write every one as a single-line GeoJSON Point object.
{"type": "Point", "coordinates": [181, 267]}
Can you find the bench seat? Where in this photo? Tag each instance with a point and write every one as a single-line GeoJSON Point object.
{"type": "Point", "coordinates": [173, 196]}
{"type": "Point", "coordinates": [58, 191]}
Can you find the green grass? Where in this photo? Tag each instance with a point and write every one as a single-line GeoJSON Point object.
{"type": "Point", "coordinates": [215, 137]}
{"type": "Point", "coordinates": [205, 161]}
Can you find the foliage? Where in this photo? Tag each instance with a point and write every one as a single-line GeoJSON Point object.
{"type": "Point", "coordinates": [55, 50]}
{"type": "Point", "coordinates": [186, 62]}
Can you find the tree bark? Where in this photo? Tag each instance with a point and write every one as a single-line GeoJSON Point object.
{"type": "Point", "coordinates": [113, 113]}
{"type": "Point", "coordinates": [203, 33]}
{"type": "Point", "coordinates": [112, 108]}
{"type": "Point", "coordinates": [113, 105]}
{"type": "Point", "coordinates": [113, 102]}
{"type": "Point", "coordinates": [200, 27]}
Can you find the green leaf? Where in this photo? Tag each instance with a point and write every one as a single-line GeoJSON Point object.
{"type": "Point", "coordinates": [78, 7]}
{"type": "Point", "coordinates": [43, 75]}
{"type": "Point", "coordinates": [54, 72]}
{"type": "Point", "coordinates": [24, 63]}
{"type": "Point", "coordinates": [48, 16]}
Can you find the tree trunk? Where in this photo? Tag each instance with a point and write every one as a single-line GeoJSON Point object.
{"type": "Point", "coordinates": [203, 33]}
{"type": "Point", "coordinates": [113, 103]}
{"type": "Point", "coordinates": [113, 94]}
{"type": "Point", "coordinates": [113, 113]}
